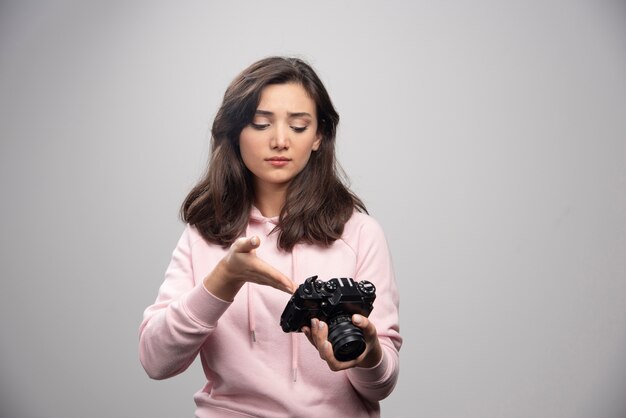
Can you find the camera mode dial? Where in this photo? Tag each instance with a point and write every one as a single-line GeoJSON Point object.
{"type": "Point", "coordinates": [367, 287]}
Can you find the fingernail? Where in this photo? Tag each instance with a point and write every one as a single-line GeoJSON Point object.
{"type": "Point", "coordinates": [313, 323]}
{"type": "Point", "coordinates": [254, 241]}
{"type": "Point", "coordinates": [321, 325]}
{"type": "Point", "coordinates": [357, 319]}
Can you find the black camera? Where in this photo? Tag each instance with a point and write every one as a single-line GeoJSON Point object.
{"type": "Point", "coordinates": [334, 302]}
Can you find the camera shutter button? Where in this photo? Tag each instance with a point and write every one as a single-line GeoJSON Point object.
{"type": "Point", "coordinates": [308, 287]}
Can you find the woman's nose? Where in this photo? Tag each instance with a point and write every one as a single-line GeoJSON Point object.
{"type": "Point", "coordinates": [280, 139]}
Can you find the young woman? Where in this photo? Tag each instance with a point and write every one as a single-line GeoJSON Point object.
{"type": "Point", "coordinates": [270, 212]}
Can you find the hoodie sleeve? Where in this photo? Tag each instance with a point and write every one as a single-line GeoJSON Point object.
{"type": "Point", "coordinates": [183, 316]}
{"type": "Point", "coordinates": [374, 264]}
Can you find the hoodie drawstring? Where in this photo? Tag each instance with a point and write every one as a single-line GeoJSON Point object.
{"type": "Point", "coordinates": [251, 322]}
{"type": "Point", "coordinates": [250, 288]}
{"type": "Point", "coordinates": [294, 355]}
{"type": "Point", "coordinates": [295, 341]}
{"type": "Point", "coordinates": [294, 336]}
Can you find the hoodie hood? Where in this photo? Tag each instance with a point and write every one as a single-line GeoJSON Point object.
{"type": "Point", "coordinates": [257, 216]}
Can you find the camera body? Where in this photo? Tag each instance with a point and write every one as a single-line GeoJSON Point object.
{"type": "Point", "coordinates": [334, 302]}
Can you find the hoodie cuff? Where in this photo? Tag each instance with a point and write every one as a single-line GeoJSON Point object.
{"type": "Point", "coordinates": [204, 307]}
{"type": "Point", "coordinates": [371, 375]}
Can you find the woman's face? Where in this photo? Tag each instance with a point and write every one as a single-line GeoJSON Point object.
{"type": "Point", "coordinates": [277, 145]}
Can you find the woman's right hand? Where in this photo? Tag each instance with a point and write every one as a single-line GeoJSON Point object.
{"type": "Point", "coordinates": [241, 265]}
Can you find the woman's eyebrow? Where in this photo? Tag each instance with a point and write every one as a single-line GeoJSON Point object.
{"type": "Point", "coordinates": [290, 114]}
{"type": "Point", "coordinates": [299, 114]}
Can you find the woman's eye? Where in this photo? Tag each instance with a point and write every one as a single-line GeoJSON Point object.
{"type": "Point", "coordinates": [299, 129]}
{"type": "Point", "coordinates": [259, 126]}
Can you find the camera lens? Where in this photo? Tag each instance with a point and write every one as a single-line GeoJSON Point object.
{"type": "Point", "coordinates": [347, 340]}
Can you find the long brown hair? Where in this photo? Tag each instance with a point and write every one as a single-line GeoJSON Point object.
{"type": "Point", "coordinates": [219, 205]}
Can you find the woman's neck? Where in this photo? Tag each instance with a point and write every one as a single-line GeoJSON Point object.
{"type": "Point", "coordinates": [270, 201]}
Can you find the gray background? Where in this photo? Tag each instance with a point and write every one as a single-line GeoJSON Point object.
{"type": "Point", "coordinates": [487, 137]}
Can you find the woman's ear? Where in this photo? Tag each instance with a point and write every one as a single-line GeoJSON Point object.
{"type": "Point", "coordinates": [317, 143]}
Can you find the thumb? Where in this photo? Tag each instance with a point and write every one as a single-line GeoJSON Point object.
{"type": "Point", "coordinates": [364, 323]}
{"type": "Point", "coordinates": [245, 244]}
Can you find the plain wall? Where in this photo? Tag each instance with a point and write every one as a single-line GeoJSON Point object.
{"type": "Point", "coordinates": [487, 137]}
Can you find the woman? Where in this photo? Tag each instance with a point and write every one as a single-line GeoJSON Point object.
{"type": "Point", "coordinates": [270, 212]}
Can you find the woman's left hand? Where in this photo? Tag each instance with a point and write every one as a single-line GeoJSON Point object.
{"type": "Point", "coordinates": [317, 334]}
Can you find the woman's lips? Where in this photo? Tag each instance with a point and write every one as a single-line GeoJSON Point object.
{"type": "Point", "coordinates": [278, 161]}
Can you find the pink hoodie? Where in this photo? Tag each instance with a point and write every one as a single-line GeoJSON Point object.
{"type": "Point", "coordinates": [252, 367]}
